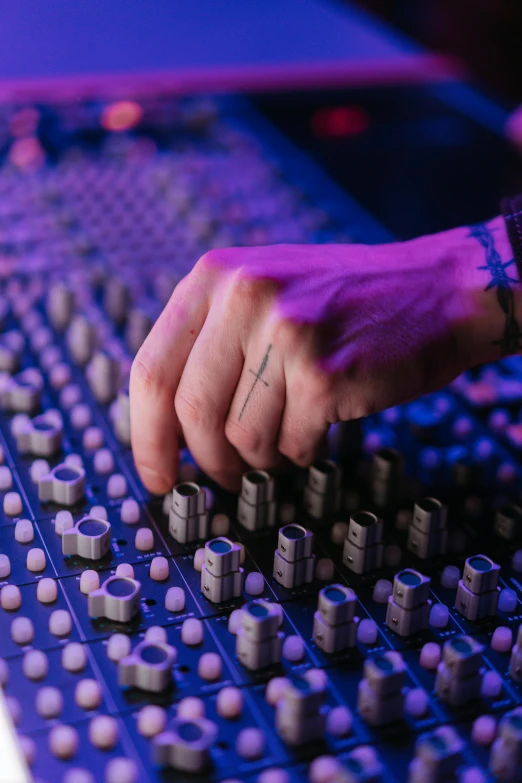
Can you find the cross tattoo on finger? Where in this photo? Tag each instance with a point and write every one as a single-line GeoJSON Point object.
{"type": "Point", "coordinates": [257, 375]}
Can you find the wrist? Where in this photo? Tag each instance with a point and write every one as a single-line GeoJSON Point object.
{"type": "Point", "coordinates": [486, 313]}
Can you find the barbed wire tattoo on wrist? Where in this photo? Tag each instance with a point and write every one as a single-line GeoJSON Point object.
{"type": "Point", "coordinates": [511, 340]}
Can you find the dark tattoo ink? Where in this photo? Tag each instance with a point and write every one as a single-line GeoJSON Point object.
{"type": "Point", "coordinates": [257, 375]}
{"type": "Point", "coordinates": [511, 340]}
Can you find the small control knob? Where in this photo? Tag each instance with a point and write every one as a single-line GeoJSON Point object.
{"type": "Point", "coordinates": [409, 606]}
{"type": "Point", "coordinates": [256, 506]}
{"type": "Point", "coordinates": [11, 347]}
{"type": "Point", "coordinates": [59, 305]}
{"type": "Point", "coordinates": [117, 599]}
{"type": "Point", "coordinates": [386, 475]}
{"type": "Point", "coordinates": [221, 575]}
{"type": "Point", "coordinates": [103, 375]}
{"type": "Point", "coordinates": [438, 754]}
{"type": "Point", "coordinates": [300, 712]}
{"type": "Point", "coordinates": [478, 591]}
{"type": "Point", "coordinates": [258, 638]}
{"type": "Point", "coordinates": [186, 745]}
{"type": "Point", "coordinates": [116, 299]}
{"type": "Point", "coordinates": [505, 761]}
{"type": "Point", "coordinates": [294, 563]}
{"type": "Point", "coordinates": [458, 679]}
{"type": "Point", "coordinates": [81, 339]}
{"type": "Point", "coordinates": [41, 436]}
{"type": "Point", "coordinates": [380, 696]}
{"type": "Point", "coordinates": [335, 624]}
{"type": "Point", "coordinates": [362, 766]}
{"type": "Point", "coordinates": [120, 416]}
{"type": "Point", "coordinates": [188, 518]}
{"type": "Point", "coordinates": [65, 485]}
{"type": "Point", "coordinates": [21, 393]}
{"type": "Point", "coordinates": [149, 667]}
{"type": "Point", "coordinates": [89, 538]}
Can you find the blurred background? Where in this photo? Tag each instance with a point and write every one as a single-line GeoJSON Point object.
{"type": "Point", "coordinates": [410, 105]}
{"type": "Point", "coordinates": [485, 34]}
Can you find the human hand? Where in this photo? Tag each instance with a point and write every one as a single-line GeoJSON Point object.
{"type": "Point", "coordinates": [261, 349]}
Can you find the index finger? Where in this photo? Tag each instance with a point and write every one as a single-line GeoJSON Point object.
{"type": "Point", "coordinates": [154, 378]}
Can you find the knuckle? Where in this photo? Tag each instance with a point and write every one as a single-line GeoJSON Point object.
{"type": "Point", "coordinates": [146, 375]}
{"type": "Point", "coordinates": [244, 289]}
{"type": "Point", "coordinates": [287, 336]}
{"type": "Point", "coordinates": [195, 410]}
{"type": "Point", "coordinates": [211, 258]}
{"type": "Point", "coordinates": [244, 439]}
{"type": "Point", "coordinates": [241, 298]}
{"type": "Point", "coordinates": [296, 451]}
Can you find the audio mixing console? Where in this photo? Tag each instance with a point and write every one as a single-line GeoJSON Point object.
{"type": "Point", "coordinates": [354, 623]}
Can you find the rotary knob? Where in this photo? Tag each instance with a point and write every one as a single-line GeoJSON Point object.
{"type": "Point", "coordinates": [64, 485]}
{"type": "Point", "coordinates": [117, 599]}
{"type": "Point", "coordinates": [89, 538]}
{"type": "Point", "coordinates": [149, 667]}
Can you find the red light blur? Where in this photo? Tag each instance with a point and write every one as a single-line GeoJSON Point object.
{"type": "Point", "coordinates": [340, 121]}
{"type": "Point", "coordinates": [121, 116]}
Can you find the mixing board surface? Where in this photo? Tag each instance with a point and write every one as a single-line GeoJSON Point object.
{"type": "Point", "coordinates": [357, 622]}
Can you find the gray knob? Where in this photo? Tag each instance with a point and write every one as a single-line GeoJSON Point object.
{"type": "Point", "coordinates": [304, 696]}
{"type": "Point", "coordinates": [258, 639]}
{"type": "Point", "coordinates": [462, 656]}
{"type": "Point", "coordinates": [335, 624]}
{"type": "Point", "coordinates": [117, 599]}
{"type": "Point", "coordinates": [362, 764]}
{"type": "Point", "coordinates": [260, 620]}
{"type": "Point", "coordinates": [385, 673]}
{"type": "Point", "coordinates": [188, 499]}
{"type": "Point", "coordinates": [324, 476]}
{"type": "Point", "coordinates": [438, 754]}
{"type": "Point", "coordinates": [22, 392]}
{"type": "Point", "coordinates": [188, 519]}
{"type": "Point", "coordinates": [295, 542]}
{"type": "Point", "coordinates": [149, 667]}
{"type": "Point", "coordinates": [365, 529]}
{"type": "Point", "coordinates": [410, 588]}
{"type": "Point", "coordinates": [11, 347]}
{"type": "Point", "coordinates": [322, 494]}
{"type": "Point", "coordinates": [386, 476]}
{"type": "Point", "coordinates": [120, 414]}
{"type": "Point", "coordinates": [103, 375]}
{"type": "Point", "coordinates": [59, 305]}
{"type": "Point", "coordinates": [42, 436]}
{"type": "Point", "coordinates": [139, 324]}
{"type": "Point", "coordinates": [116, 299]}
{"type": "Point", "coordinates": [81, 339]}
{"type": "Point", "coordinates": [186, 745]}
{"type": "Point", "coordinates": [480, 574]}
{"type": "Point", "coordinates": [337, 604]}
{"type": "Point", "coordinates": [64, 485]}
{"type": "Point", "coordinates": [257, 486]}
{"type": "Point", "coordinates": [256, 507]}
{"type": "Point", "coordinates": [505, 761]}
{"type": "Point", "coordinates": [89, 538]}
{"type": "Point", "coordinates": [386, 465]}
{"type": "Point", "coordinates": [429, 515]}
{"type": "Point", "coordinates": [222, 556]}
{"type": "Point", "coordinates": [300, 713]}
